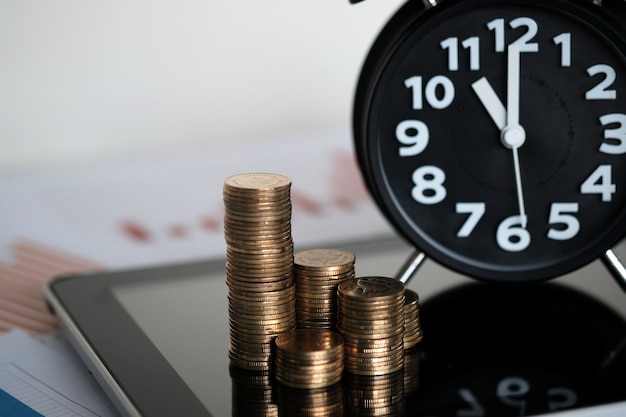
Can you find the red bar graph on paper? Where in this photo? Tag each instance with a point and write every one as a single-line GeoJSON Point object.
{"type": "Point", "coordinates": [22, 304]}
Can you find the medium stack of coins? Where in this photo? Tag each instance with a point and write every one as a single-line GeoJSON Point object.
{"type": "Point", "coordinates": [412, 327]}
{"type": "Point", "coordinates": [259, 266]}
{"type": "Point", "coordinates": [318, 273]}
{"type": "Point", "coordinates": [309, 358]}
{"type": "Point", "coordinates": [370, 317]}
{"type": "Point", "coordinates": [381, 395]}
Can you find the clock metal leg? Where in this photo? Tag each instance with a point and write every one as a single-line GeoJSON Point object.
{"type": "Point", "coordinates": [616, 267]}
{"type": "Point", "coordinates": [410, 267]}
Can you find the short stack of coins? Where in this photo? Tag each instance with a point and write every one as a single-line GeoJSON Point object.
{"type": "Point", "coordinates": [370, 317]}
{"type": "Point", "coordinates": [259, 266]}
{"type": "Point", "coordinates": [309, 358]}
{"type": "Point", "coordinates": [318, 273]}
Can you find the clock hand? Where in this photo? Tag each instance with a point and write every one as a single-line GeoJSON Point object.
{"type": "Point", "coordinates": [490, 100]}
{"type": "Point", "coordinates": [513, 135]}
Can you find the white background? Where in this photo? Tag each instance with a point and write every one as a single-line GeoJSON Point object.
{"type": "Point", "coordinates": [84, 80]}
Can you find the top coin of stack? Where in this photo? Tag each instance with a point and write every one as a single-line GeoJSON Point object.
{"type": "Point", "coordinates": [317, 273]}
{"type": "Point", "coordinates": [259, 265]}
{"type": "Point", "coordinates": [309, 358]}
{"type": "Point", "coordinates": [370, 317]}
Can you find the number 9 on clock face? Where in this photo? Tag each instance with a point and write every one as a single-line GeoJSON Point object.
{"type": "Point", "coordinates": [492, 134]}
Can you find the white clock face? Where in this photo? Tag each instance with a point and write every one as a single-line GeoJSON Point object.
{"type": "Point", "coordinates": [493, 134]}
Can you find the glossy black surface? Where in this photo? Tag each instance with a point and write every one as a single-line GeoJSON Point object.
{"type": "Point", "coordinates": [518, 350]}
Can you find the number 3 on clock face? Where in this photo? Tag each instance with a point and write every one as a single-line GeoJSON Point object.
{"type": "Point", "coordinates": [492, 134]}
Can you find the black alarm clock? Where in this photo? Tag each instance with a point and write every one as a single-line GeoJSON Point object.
{"type": "Point", "coordinates": [492, 133]}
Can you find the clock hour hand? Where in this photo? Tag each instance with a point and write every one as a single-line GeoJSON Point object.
{"type": "Point", "coordinates": [490, 100]}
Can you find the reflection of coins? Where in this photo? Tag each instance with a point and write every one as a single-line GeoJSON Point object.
{"type": "Point", "coordinates": [252, 393]}
{"type": "Point", "coordinates": [259, 266]}
{"type": "Point", "coordinates": [317, 273]}
{"type": "Point", "coordinates": [412, 361]}
{"type": "Point", "coordinates": [309, 358]}
{"type": "Point", "coordinates": [370, 317]}
{"type": "Point", "coordinates": [375, 395]}
{"type": "Point", "coordinates": [314, 402]}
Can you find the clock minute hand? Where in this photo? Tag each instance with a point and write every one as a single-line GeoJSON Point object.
{"type": "Point", "coordinates": [513, 135]}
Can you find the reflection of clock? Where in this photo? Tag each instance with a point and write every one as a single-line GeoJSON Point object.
{"type": "Point", "coordinates": [547, 349]}
{"type": "Point", "coordinates": [492, 133]}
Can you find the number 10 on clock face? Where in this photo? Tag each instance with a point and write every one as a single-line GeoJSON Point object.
{"type": "Point", "coordinates": [493, 134]}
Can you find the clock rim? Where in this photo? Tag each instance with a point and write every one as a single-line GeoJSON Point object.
{"type": "Point", "coordinates": [399, 28]}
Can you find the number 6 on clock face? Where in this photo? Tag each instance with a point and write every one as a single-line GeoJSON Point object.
{"type": "Point", "coordinates": [492, 134]}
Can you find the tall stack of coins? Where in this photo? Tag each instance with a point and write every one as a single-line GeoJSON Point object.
{"type": "Point", "coordinates": [317, 273]}
{"type": "Point", "coordinates": [412, 327]}
{"type": "Point", "coordinates": [370, 317]}
{"type": "Point", "coordinates": [259, 266]}
{"type": "Point", "coordinates": [309, 358]}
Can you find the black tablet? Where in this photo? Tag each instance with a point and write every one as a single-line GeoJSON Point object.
{"type": "Point", "coordinates": [157, 341]}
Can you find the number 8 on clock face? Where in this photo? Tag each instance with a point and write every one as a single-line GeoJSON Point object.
{"type": "Point", "coordinates": [492, 134]}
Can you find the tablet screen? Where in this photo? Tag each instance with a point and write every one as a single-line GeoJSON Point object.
{"type": "Point", "coordinates": [186, 319]}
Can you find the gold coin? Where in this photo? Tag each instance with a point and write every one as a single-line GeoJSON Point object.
{"type": "Point", "coordinates": [254, 238]}
{"type": "Point", "coordinates": [264, 307]}
{"type": "Point", "coordinates": [323, 259]}
{"type": "Point", "coordinates": [256, 206]}
{"type": "Point", "coordinates": [367, 289]}
{"type": "Point", "coordinates": [258, 182]}
{"type": "Point", "coordinates": [250, 342]}
{"type": "Point", "coordinates": [281, 295]}
{"type": "Point", "coordinates": [261, 315]}
{"type": "Point", "coordinates": [234, 226]}
{"type": "Point", "coordinates": [253, 286]}
{"type": "Point", "coordinates": [254, 218]}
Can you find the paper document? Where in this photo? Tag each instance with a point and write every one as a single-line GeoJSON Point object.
{"type": "Point", "coordinates": [42, 373]}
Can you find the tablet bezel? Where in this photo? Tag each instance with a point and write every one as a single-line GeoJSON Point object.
{"type": "Point", "coordinates": [134, 361]}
